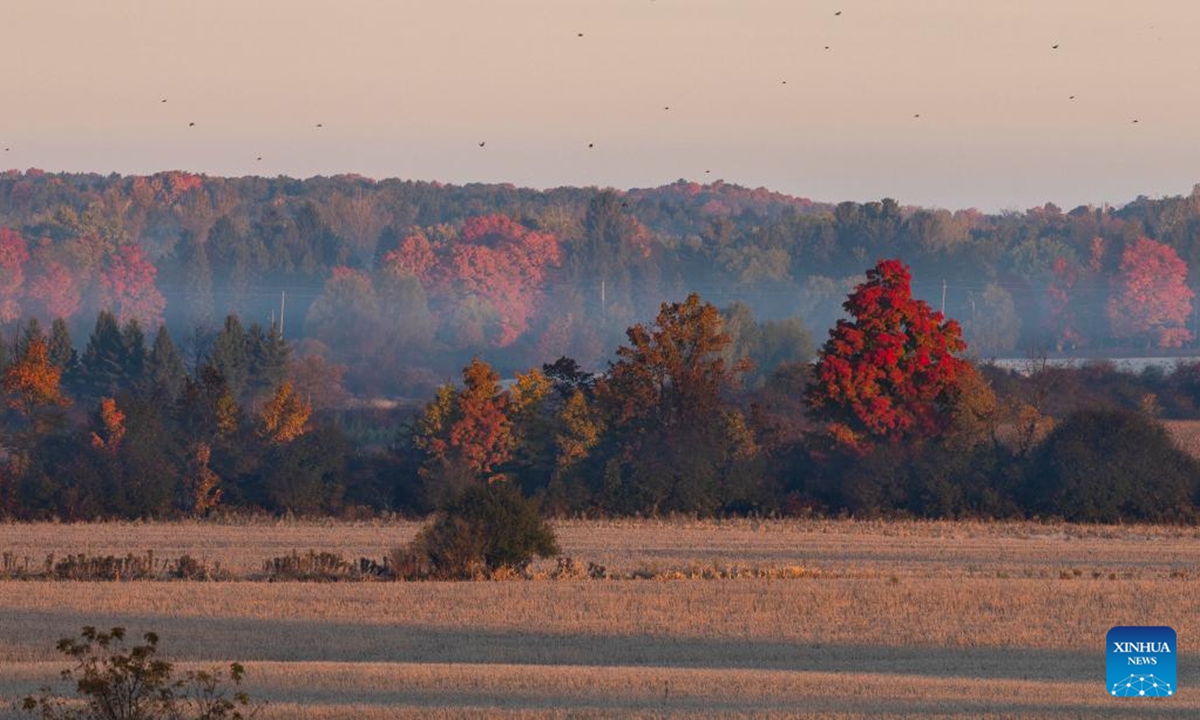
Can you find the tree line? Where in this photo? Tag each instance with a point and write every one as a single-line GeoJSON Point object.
{"type": "Point", "coordinates": [403, 282]}
{"type": "Point", "coordinates": [892, 417]}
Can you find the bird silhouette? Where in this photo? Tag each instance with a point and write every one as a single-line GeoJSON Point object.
{"type": "Point", "coordinates": [580, 34]}
{"type": "Point", "coordinates": [191, 124]}
{"type": "Point", "coordinates": [1135, 122]}
{"type": "Point", "coordinates": [482, 143]}
{"type": "Point", "coordinates": [839, 12]}
{"type": "Point", "coordinates": [320, 125]}
{"type": "Point", "coordinates": [591, 144]}
{"type": "Point", "coordinates": [785, 82]}
{"type": "Point", "coordinates": [163, 100]}
{"type": "Point", "coordinates": [1071, 98]}
{"type": "Point", "coordinates": [1053, 47]}
{"type": "Point", "coordinates": [258, 158]}
{"type": "Point", "coordinates": [917, 115]}
{"type": "Point", "coordinates": [666, 107]}
{"type": "Point", "coordinates": [826, 47]}
{"type": "Point", "coordinates": [706, 172]}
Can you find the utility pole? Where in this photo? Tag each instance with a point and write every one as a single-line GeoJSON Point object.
{"type": "Point", "coordinates": [943, 297]}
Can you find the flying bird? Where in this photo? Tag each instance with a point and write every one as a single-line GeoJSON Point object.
{"type": "Point", "coordinates": [917, 115]}
{"type": "Point", "coordinates": [839, 12]}
{"type": "Point", "coordinates": [580, 34]}
{"type": "Point", "coordinates": [785, 82]}
{"type": "Point", "coordinates": [666, 107]}
{"type": "Point", "coordinates": [320, 125]}
{"type": "Point", "coordinates": [1053, 47]}
{"type": "Point", "coordinates": [591, 144]}
{"type": "Point", "coordinates": [482, 143]}
{"type": "Point", "coordinates": [1071, 98]}
{"type": "Point", "coordinates": [1135, 122]}
{"type": "Point", "coordinates": [826, 47]}
{"type": "Point", "coordinates": [191, 124]}
{"type": "Point", "coordinates": [163, 100]}
{"type": "Point", "coordinates": [258, 158]}
{"type": "Point", "coordinates": [707, 172]}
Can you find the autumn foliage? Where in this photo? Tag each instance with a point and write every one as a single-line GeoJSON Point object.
{"type": "Point", "coordinates": [889, 372]}
{"type": "Point", "coordinates": [33, 381]}
{"type": "Point", "coordinates": [1152, 300]}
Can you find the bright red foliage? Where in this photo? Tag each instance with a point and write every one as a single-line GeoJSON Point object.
{"type": "Point", "coordinates": [1151, 299]}
{"type": "Point", "coordinates": [890, 372]}
{"type": "Point", "coordinates": [127, 287]}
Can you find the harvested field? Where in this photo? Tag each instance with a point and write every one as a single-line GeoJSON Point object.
{"type": "Point", "coordinates": [967, 619]}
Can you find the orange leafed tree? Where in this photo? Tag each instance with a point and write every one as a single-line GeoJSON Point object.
{"type": "Point", "coordinates": [285, 416]}
{"type": "Point", "coordinates": [112, 430]}
{"type": "Point", "coordinates": [890, 371]}
{"type": "Point", "coordinates": [33, 381]}
{"type": "Point", "coordinates": [1151, 300]}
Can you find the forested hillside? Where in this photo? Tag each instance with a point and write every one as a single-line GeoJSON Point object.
{"type": "Point", "coordinates": [402, 282]}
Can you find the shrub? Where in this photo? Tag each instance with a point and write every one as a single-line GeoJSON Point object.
{"type": "Point", "coordinates": [323, 567]}
{"type": "Point", "coordinates": [118, 684]}
{"type": "Point", "coordinates": [1110, 465]}
{"type": "Point", "coordinates": [483, 529]}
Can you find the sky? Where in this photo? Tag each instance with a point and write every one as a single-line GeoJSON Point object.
{"type": "Point", "coordinates": [411, 89]}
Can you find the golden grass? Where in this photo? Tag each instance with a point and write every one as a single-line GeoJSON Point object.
{"type": "Point", "coordinates": [958, 619]}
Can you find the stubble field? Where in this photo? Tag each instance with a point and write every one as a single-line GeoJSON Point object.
{"type": "Point", "coordinates": [896, 618]}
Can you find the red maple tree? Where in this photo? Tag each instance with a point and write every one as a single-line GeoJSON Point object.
{"type": "Point", "coordinates": [127, 287]}
{"type": "Point", "coordinates": [890, 372]}
{"type": "Point", "coordinates": [1151, 300]}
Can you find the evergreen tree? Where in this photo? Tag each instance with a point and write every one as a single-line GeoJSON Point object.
{"type": "Point", "coordinates": [230, 355]}
{"type": "Point", "coordinates": [165, 373]}
{"type": "Point", "coordinates": [62, 350]}
{"type": "Point", "coordinates": [268, 355]}
{"type": "Point", "coordinates": [133, 342]}
{"type": "Point", "coordinates": [103, 364]}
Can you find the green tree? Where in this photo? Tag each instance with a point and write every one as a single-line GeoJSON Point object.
{"type": "Point", "coordinates": [665, 401]}
{"type": "Point", "coordinates": [230, 355]}
{"type": "Point", "coordinates": [165, 373]}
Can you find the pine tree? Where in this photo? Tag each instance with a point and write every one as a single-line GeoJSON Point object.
{"type": "Point", "coordinates": [103, 364]}
{"type": "Point", "coordinates": [133, 342]}
{"type": "Point", "coordinates": [230, 355]}
{"type": "Point", "coordinates": [62, 350]}
{"type": "Point", "coordinates": [165, 373]}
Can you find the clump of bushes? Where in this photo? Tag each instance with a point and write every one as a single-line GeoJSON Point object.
{"type": "Point", "coordinates": [115, 683]}
{"type": "Point", "coordinates": [484, 532]}
{"type": "Point", "coordinates": [105, 567]}
{"type": "Point", "coordinates": [1109, 466]}
{"type": "Point", "coordinates": [316, 566]}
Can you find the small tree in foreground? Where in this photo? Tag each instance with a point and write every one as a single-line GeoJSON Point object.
{"type": "Point", "coordinates": [118, 684]}
{"type": "Point", "coordinates": [484, 529]}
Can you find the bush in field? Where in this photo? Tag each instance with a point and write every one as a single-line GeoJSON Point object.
{"type": "Point", "coordinates": [1110, 465]}
{"type": "Point", "coordinates": [484, 529]}
{"type": "Point", "coordinates": [118, 684]}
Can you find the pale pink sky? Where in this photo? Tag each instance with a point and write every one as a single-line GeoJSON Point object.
{"type": "Point", "coordinates": [409, 89]}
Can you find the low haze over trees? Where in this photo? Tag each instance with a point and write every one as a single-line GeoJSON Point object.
{"type": "Point", "coordinates": [340, 344]}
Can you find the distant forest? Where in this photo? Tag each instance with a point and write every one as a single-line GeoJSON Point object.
{"type": "Point", "coordinates": [181, 345]}
{"type": "Point", "coordinates": [401, 283]}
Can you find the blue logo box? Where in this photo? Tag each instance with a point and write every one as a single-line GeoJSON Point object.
{"type": "Point", "coordinates": [1141, 661]}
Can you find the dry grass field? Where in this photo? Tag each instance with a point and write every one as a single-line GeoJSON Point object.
{"type": "Point", "coordinates": [891, 618]}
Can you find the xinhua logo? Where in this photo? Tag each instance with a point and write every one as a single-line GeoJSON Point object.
{"type": "Point", "coordinates": [1141, 661]}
